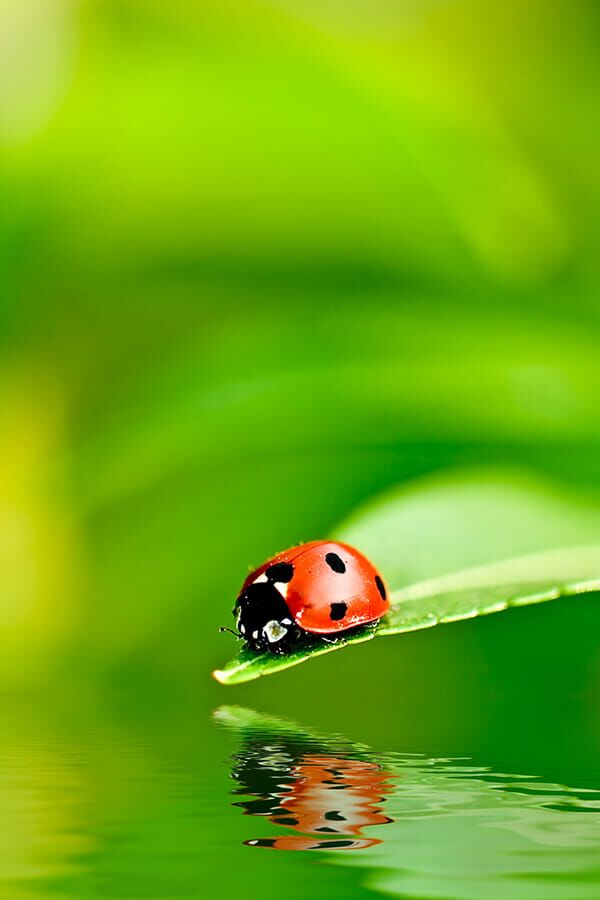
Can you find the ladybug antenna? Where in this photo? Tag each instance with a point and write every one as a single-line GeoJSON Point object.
{"type": "Point", "coordinates": [231, 631]}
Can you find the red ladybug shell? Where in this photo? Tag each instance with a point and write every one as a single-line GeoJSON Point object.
{"type": "Point", "coordinates": [333, 587]}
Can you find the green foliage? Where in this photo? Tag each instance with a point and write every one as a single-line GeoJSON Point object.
{"type": "Point", "coordinates": [260, 263]}
{"type": "Point", "coordinates": [488, 541]}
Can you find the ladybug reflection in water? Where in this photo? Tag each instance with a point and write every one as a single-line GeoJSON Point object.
{"type": "Point", "coordinates": [325, 798]}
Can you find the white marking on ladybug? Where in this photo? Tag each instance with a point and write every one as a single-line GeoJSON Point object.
{"type": "Point", "coordinates": [274, 631]}
{"type": "Point", "coordinates": [255, 634]}
{"type": "Point", "coordinates": [282, 588]}
{"type": "Point", "coordinates": [243, 629]}
{"type": "Point", "coordinates": [253, 842]}
{"type": "Point", "coordinates": [286, 621]}
{"type": "Point", "coordinates": [260, 578]}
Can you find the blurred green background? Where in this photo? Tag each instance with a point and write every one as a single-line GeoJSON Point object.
{"type": "Point", "coordinates": [258, 262]}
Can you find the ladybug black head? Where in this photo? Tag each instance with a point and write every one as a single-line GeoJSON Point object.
{"type": "Point", "coordinates": [262, 616]}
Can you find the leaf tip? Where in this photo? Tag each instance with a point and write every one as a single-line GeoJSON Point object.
{"type": "Point", "coordinates": [220, 675]}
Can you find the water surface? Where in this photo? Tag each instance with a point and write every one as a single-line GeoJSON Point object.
{"type": "Point", "coordinates": [238, 803]}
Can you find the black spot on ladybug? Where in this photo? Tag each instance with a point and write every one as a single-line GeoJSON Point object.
{"type": "Point", "coordinates": [287, 821]}
{"type": "Point", "coordinates": [380, 586]}
{"type": "Point", "coordinates": [280, 572]}
{"type": "Point", "coordinates": [334, 816]}
{"type": "Point", "coordinates": [338, 611]}
{"type": "Point", "coordinates": [336, 563]}
{"type": "Point", "coordinates": [262, 842]}
{"type": "Point", "coordinates": [325, 828]}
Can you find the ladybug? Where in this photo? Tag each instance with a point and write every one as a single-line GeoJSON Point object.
{"type": "Point", "coordinates": [321, 588]}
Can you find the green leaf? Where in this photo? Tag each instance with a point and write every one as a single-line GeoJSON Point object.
{"type": "Point", "coordinates": [459, 546]}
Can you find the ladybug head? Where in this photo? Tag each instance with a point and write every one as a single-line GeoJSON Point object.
{"type": "Point", "coordinates": [262, 616]}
